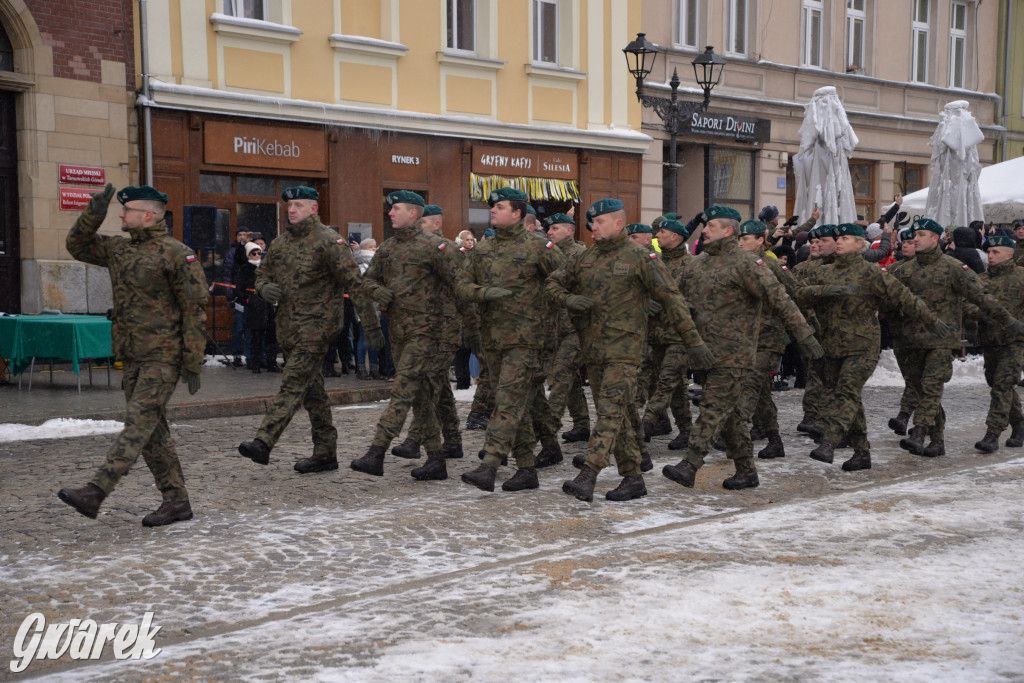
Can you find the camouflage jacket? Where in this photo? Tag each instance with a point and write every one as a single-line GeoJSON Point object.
{"type": "Point", "coordinates": [728, 287]}
{"type": "Point", "coordinates": [159, 292]}
{"type": "Point", "coordinates": [420, 269]}
{"type": "Point", "coordinates": [944, 283]}
{"type": "Point", "coordinates": [849, 323]}
{"type": "Point", "coordinates": [804, 271]}
{"type": "Point", "coordinates": [894, 316]}
{"type": "Point", "coordinates": [1018, 253]}
{"type": "Point", "coordinates": [516, 260]}
{"type": "Point", "coordinates": [314, 267]}
{"type": "Point", "coordinates": [566, 327]}
{"type": "Point", "coordinates": [658, 329]}
{"type": "Point", "coordinates": [1005, 283]}
{"type": "Point", "coordinates": [772, 335]}
{"type": "Point", "coordinates": [621, 277]}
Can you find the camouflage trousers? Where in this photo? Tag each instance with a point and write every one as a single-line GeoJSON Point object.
{"type": "Point", "coordinates": [814, 391]}
{"type": "Point", "coordinates": [302, 383]}
{"type": "Point", "coordinates": [910, 398]}
{"type": "Point", "coordinates": [670, 389]}
{"type": "Point", "coordinates": [927, 371]}
{"type": "Point", "coordinates": [147, 389]}
{"type": "Point", "coordinates": [515, 370]}
{"type": "Point", "coordinates": [722, 412]}
{"type": "Point", "coordinates": [421, 367]}
{"type": "Point", "coordinates": [544, 430]}
{"type": "Point", "coordinates": [566, 385]}
{"type": "Point", "coordinates": [757, 391]}
{"type": "Point", "coordinates": [617, 430]}
{"type": "Point", "coordinates": [1003, 366]}
{"type": "Point", "coordinates": [843, 414]}
{"type": "Point", "coordinates": [486, 384]}
{"type": "Point", "coordinates": [445, 411]}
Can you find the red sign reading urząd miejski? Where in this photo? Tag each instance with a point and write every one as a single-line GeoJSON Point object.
{"type": "Point", "coordinates": [82, 175]}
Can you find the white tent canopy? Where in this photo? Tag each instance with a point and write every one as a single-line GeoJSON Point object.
{"type": "Point", "coordinates": [1002, 193]}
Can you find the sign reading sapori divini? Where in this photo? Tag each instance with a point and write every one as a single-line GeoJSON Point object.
{"type": "Point", "coordinates": [234, 144]}
{"type": "Point", "coordinates": [507, 161]}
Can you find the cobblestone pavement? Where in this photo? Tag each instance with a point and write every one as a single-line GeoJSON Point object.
{"type": "Point", "coordinates": [345, 576]}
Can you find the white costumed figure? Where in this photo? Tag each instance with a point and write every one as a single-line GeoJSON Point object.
{"type": "Point", "coordinates": [822, 166]}
{"type": "Point", "coordinates": [954, 198]}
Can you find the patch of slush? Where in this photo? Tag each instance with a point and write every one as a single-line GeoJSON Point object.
{"type": "Point", "coordinates": [968, 370]}
{"type": "Point", "coordinates": [58, 428]}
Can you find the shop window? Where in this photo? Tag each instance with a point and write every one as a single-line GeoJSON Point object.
{"type": "Point", "coordinates": [261, 218]}
{"type": "Point", "coordinates": [731, 179]}
{"type": "Point", "coordinates": [736, 27]}
{"type": "Point", "coordinates": [256, 186]}
{"type": "Point", "coordinates": [246, 9]}
{"type": "Point", "coordinates": [687, 12]}
{"type": "Point", "coordinates": [957, 44]}
{"type": "Point", "coordinates": [214, 183]}
{"type": "Point", "coordinates": [856, 17]}
{"type": "Point", "coordinates": [545, 31]}
{"type": "Point", "coordinates": [461, 25]}
{"type": "Point", "coordinates": [908, 178]}
{"type": "Point", "coordinates": [920, 29]}
{"type": "Point", "coordinates": [812, 25]}
{"type": "Point", "coordinates": [862, 173]}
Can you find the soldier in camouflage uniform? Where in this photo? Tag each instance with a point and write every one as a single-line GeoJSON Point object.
{"type": "Point", "coordinates": [850, 292]}
{"type": "Point", "coordinates": [1003, 351]}
{"type": "Point", "coordinates": [910, 398]}
{"type": "Point", "coordinates": [823, 247]}
{"type": "Point", "coordinates": [1018, 250]}
{"type": "Point", "coordinates": [159, 311]}
{"type": "Point", "coordinates": [505, 276]}
{"type": "Point", "coordinates": [943, 283]}
{"type": "Point", "coordinates": [609, 287]}
{"type": "Point", "coordinates": [729, 287]}
{"type": "Point", "coordinates": [305, 272]}
{"type": "Point", "coordinates": [413, 275]}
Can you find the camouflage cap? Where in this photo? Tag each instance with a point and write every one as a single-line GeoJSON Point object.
{"type": "Point", "coordinates": [405, 197]}
{"type": "Point", "coordinates": [656, 223]}
{"type": "Point", "coordinates": [603, 206]}
{"type": "Point", "coordinates": [675, 226]}
{"type": "Point", "coordinates": [752, 228]}
{"type": "Point", "coordinates": [1000, 241]}
{"type": "Point", "coordinates": [146, 192]}
{"type": "Point", "coordinates": [300, 192]}
{"type": "Point", "coordinates": [928, 224]}
{"type": "Point", "coordinates": [510, 194]}
{"type": "Point", "coordinates": [555, 219]}
{"type": "Point", "coordinates": [713, 212]}
{"type": "Point", "coordinates": [433, 210]}
{"type": "Point", "coordinates": [639, 228]}
{"type": "Point", "coordinates": [848, 229]}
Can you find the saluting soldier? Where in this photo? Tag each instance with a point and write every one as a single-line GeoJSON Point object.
{"type": "Point", "coordinates": [158, 317]}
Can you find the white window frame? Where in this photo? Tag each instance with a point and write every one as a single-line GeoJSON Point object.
{"type": "Point", "coordinates": [917, 30]}
{"type": "Point", "coordinates": [683, 27]}
{"type": "Point", "coordinates": [236, 8]}
{"type": "Point", "coordinates": [811, 56]}
{"type": "Point", "coordinates": [958, 36]}
{"type": "Point", "coordinates": [454, 5]}
{"type": "Point", "coordinates": [539, 32]}
{"type": "Point", "coordinates": [853, 16]}
{"type": "Point", "coordinates": [732, 29]}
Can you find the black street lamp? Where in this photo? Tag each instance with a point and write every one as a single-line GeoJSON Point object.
{"type": "Point", "coordinates": [707, 69]}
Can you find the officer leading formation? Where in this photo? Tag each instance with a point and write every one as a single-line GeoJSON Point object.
{"type": "Point", "coordinates": [535, 306]}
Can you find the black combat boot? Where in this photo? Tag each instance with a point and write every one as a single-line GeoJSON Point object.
{"type": "Point", "coordinates": [810, 429]}
{"type": "Point", "coordinates": [372, 462]}
{"type": "Point", "coordinates": [774, 449]}
{"type": "Point", "coordinates": [934, 449]}
{"type": "Point", "coordinates": [898, 424]}
{"type": "Point", "coordinates": [583, 485]}
{"type": "Point", "coordinates": [914, 441]}
{"type": "Point", "coordinates": [630, 488]}
{"type": "Point", "coordinates": [452, 450]}
{"type": "Point", "coordinates": [720, 444]}
{"type": "Point", "coordinates": [745, 478]}
{"type": "Point", "coordinates": [504, 459]}
{"type": "Point", "coordinates": [524, 478]}
{"type": "Point", "coordinates": [86, 499]}
{"type": "Point", "coordinates": [317, 463]}
{"type": "Point", "coordinates": [844, 442]}
{"type": "Point", "coordinates": [662, 426]}
{"type": "Point", "coordinates": [681, 441]}
{"type": "Point", "coordinates": [646, 464]}
{"type": "Point", "coordinates": [990, 444]}
{"type": "Point", "coordinates": [410, 449]}
{"type": "Point", "coordinates": [825, 452]}
{"type": "Point", "coordinates": [758, 433]}
{"type": "Point", "coordinates": [477, 420]}
{"type": "Point", "coordinates": [255, 450]}
{"type": "Point", "coordinates": [579, 460]}
{"type": "Point", "coordinates": [576, 434]}
{"type": "Point", "coordinates": [1016, 439]}
{"type": "Point", "coordinates": [684, 473]}
{"type": "Point", "coordinates": [433, 469]}
{"type": "Point", "coordinates": [549, 455]}
{"type": "Point", "coordinates": [861, 460]}
{"type": "Point", "coordinates": [169, 513]}
{"type": "Point", "coordinates": [482, 477]}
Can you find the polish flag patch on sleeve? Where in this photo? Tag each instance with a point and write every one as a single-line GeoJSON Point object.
{"type": "Point", "coordinates": [760, 262]}
{"type": "Point", "coordinates": [653, 254]}
{"type": "Point", "coordinates": [785, 268]}
{"type": "Point", "coordinates": [442, 246]}
{"type": "Point", "coordinates": [966, 267]}
{"type": "Point", "coordinates": [341, 241]}
{"type": "Point", "coordinates": [190, 258]}
{"type": "Point", "coordinates": [549, 244]}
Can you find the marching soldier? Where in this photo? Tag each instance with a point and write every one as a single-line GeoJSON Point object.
{"type": "Point", "coordinates": [909, 398]}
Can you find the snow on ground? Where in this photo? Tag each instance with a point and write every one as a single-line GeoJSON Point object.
{"type": "Point", "coordinates": [969, 370]}
{"type": "Point", "coordinates": [58, 428]}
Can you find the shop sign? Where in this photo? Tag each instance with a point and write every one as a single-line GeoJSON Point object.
{"type": "Point", "coordinates": [488, 160]}
{"type": "Point", "coordinates": [74, 198]}
{"type": "Point", "coordinates": [742, 128]}
{"type": "Point", "coordinates": [265, 147]}
{"type": "Point", "coordinates": [405, 159]}
{"type": "Point", "coordinates": [81, 175]}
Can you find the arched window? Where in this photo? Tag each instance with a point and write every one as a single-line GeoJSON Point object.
{"type": "Point", "coordinates": [6, 52]}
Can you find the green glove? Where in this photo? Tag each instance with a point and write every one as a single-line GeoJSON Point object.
{"type": "Point", "coordinates": [700, 357]}
{"type": "Point", "coordinates": [811, 347]}
{"type": "Point", "coordinates": [384, 296]}
{"type": "Point", "coordinates": [271, 293]}
{"type": "Point", "coordinates": [578, 303]}
{"type": "Point", "coordinates": [838, 290]}
{"type": "Point", "coordinates": [494, 293]}
{"type": "Point", "coordinates": [191, 379]}
{"type": "Point", "coordinates": [100, 201]}
{"type": "Point", "coordinates": [939, 328]}
{"type": "Point", "coordinates": [375, 338]}
{"type": "Point", "coordinates": [654, 308]}
{"type": "Point", "coordinates": [1017, 327]}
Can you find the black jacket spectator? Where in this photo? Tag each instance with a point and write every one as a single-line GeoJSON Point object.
{"type": "Point", "coordinates": [965, 248]}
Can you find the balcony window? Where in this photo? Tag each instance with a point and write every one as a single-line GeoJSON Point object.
{"type": "Point", "coordinates": [462, 25]}
{"type": "Point", "coordinates": [855, 19]}
{"type": "Point", "coordinates": [686, 23]}
{"type": "Point", "coordinates": [919, 42]}
{"type": "Point", "coordinates": [957, 44]}
{"type": "Point", "coordinates": [545, 31]}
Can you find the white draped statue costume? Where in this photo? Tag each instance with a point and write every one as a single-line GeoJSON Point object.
{"type": "Point", "coordinates": [954, 198]}
{"type": "Point", "coordinates": [822, 166]}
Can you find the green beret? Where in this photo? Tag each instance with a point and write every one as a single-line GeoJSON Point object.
{"type": "Point", "coordinates": [827, 230]}
{"type": "Point", "coordinates": [131, 193]}
{"type": "Point", "coordinates": [675, 226]}
{"type": "Point", "coordinates": [848, 229]}
{"type": "Point", "coordinates": [753, 228]}
{"type": "Point", "coordinates": [656, 223]}
{"type": "Point", "coordinates": [713, 212]}
{"type": "Point", "coordinates": [405, 197]}
{"type": "Point", "coordinates": [1000, 241]}
{"type": "Point", "coordinates": [1018, 223]}
{"type": "Point", "coordinates": [433, 210]}
{"type": "Point", "coordinates": [555, 219]}
{"type": "Point", "coordinates": [639, 228]}
{"type": "Point", "coordinates": [603, 206]}
{"type": "Point", "coordinates": [906, 234]}
{"type": "Point", "coordinates": [300, 192]}
{"type": "Point", "coordinates": [510, 194]}
{"type": "Point", "coordinates": [530, 210]}
{"type": "Point", "coordinates": [928, 224]}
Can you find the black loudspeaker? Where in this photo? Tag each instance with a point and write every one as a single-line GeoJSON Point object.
{"type": "Point", "coordinates": [199, 227]}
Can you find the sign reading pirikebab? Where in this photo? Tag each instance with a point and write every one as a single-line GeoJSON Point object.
{"type": "Point", "coordinates": [82, 639]}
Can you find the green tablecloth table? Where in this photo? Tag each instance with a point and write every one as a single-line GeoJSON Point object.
{"type": "Point", "coordinates": [24, 338]}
